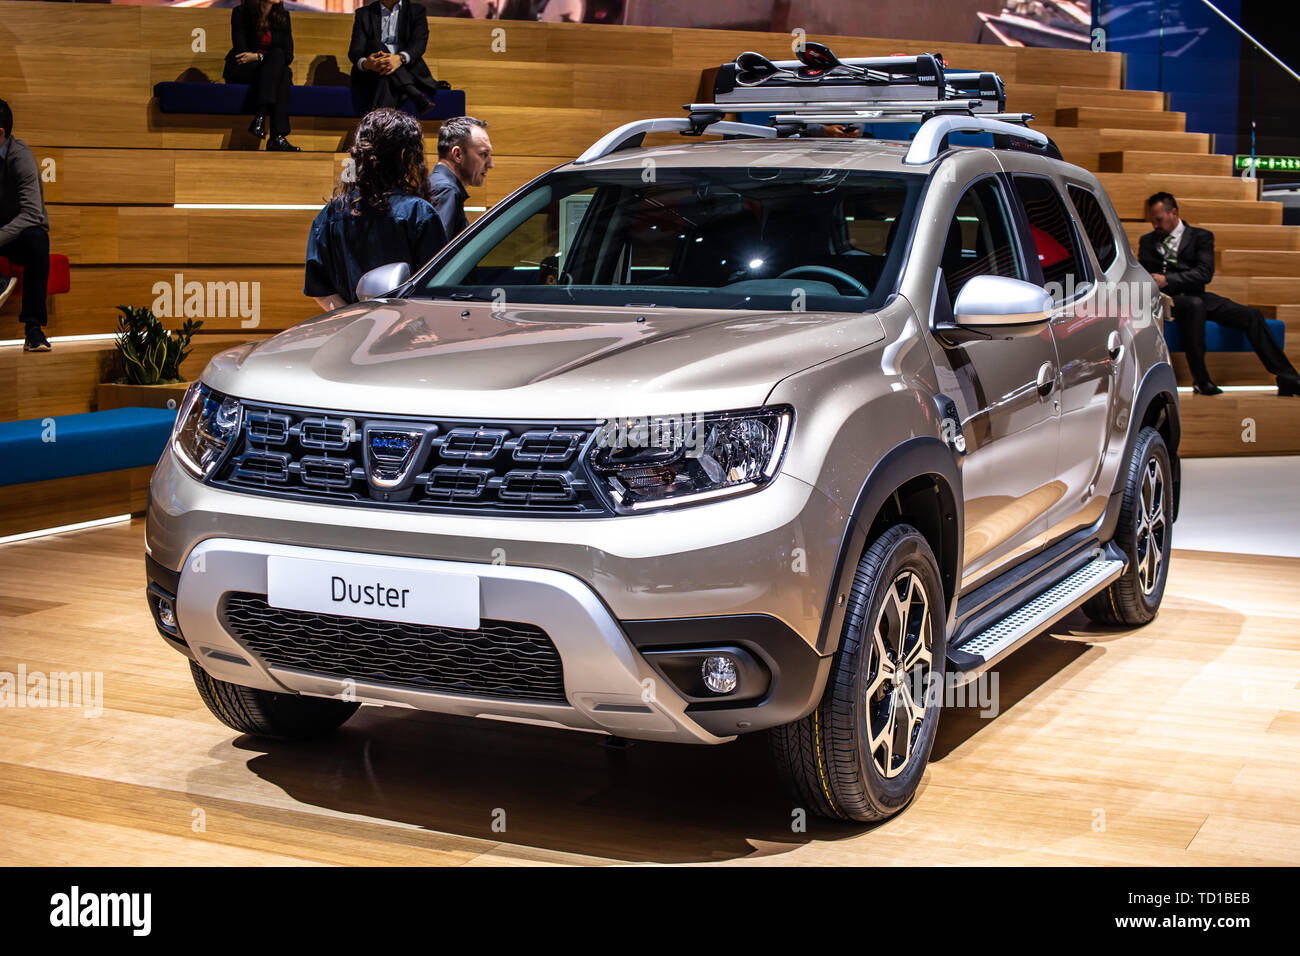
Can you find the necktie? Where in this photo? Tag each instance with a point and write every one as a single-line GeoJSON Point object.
{"type": "Point", "coordinates": [1170, 255]}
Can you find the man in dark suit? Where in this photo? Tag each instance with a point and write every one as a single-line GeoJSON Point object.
{"type": "Point", "coordinates": [1181, 260]}
{"type": "Point", "coordinates": [387, 56]}
{"type": "Point", "coordinates": [24, 230]}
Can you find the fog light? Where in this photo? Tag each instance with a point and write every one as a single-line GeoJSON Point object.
{"type": "Point", "coordinates": [720, 674]}
{"type": "Point", "coordinates": [166, 615]}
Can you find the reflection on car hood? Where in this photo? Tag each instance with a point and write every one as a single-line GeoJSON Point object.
{"type": "Point", "coordinates": [480, 360]}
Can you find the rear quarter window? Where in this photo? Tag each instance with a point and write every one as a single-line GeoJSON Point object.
{"type": "Point", "coordinates": [1095, 225]}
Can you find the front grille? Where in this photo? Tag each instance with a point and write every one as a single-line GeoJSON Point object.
{"type": "Point", "coordinates": [499, 659]}
{"type": "Point", "coordinates": [508, 468]}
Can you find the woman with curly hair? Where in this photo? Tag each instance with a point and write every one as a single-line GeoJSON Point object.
{"type": "Point", "coordinates": [380, 211]}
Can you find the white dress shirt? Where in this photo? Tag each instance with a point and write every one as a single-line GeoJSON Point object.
{"type": "Point", "coordinates": [388, 31]}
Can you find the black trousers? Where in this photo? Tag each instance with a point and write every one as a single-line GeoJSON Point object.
{"type": "Point", "coordinates": [271, 80]}
{"type": "Point", "coordinates": [31, 250]}
{"type": "Point", "coordinates": [1191, 312]}
{"type": "Point", "coordinates": [392, 89]}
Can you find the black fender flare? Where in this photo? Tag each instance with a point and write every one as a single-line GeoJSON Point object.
{"type": "Point", "coordinates": [914, 458]}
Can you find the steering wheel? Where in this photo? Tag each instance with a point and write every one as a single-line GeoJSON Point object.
{"type": "Point", "coordinates": [827, 272]}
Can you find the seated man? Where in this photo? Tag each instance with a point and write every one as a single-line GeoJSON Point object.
{"type": "Point", "coordinates": [387, 55]}
{"type": "Point", "coordinates": [1181, 260]}
{"type": "Point", "coordinates": [24, 230]}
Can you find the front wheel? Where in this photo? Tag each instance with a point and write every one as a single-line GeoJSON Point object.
{"type": "Point", "coordinates": [861, 753]}
{"type": "Point", "coordinates": [265, 713]}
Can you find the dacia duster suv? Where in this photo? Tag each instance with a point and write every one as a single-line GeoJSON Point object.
{"type": "Point", "coordinates": [780, 432]}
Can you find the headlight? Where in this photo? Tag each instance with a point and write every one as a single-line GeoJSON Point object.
{"type": "Point", "coordinates": [648, 463]}
{"type": "Point", "coordinates": [207, 423]}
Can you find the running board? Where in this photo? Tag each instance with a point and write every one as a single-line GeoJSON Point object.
{"type": "Point", "coordinates": [986, 648]}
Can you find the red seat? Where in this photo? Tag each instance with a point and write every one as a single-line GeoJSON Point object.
{"type": "Point", "coordinates": [60, 274]}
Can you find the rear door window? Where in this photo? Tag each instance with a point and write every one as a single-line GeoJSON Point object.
{"type": "Point", "coordinates": [1054, 239]}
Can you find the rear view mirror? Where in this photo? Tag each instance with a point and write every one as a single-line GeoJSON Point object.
{"type": "Point", "coordinates": [1002, 306]}
{"type": "Point", "coordinates": [378, 282]}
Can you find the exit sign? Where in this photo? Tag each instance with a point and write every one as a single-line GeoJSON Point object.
{"type": "Point", "coordinates": [1270, 164]}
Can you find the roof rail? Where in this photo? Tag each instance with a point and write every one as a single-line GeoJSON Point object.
{"type": "Point", "coordinates": [630, 135]}
{"type": "Point", "coordinates": [928, 142]}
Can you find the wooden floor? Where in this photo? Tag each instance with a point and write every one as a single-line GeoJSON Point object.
{"type": "Point", "coordinates": [1178, 743]}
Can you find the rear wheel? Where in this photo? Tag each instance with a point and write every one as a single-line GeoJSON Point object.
{"type": "Point", "coordinates": [265, 713]}
{"type": "Point", "coordinates": [861, 753]}
{"type": "Point", "coordinates": [1144, 534]}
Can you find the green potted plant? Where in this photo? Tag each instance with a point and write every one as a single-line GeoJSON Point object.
{"type": "Point", "coordinates": [148, 361]}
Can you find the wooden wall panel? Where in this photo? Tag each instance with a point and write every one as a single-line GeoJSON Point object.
{"type": "Point", "coordinates": [120, 176]}
{"type": "Point", "coordinates": [160, 234]}
{"type": "Point", "coordinates": [204, 176]}
{"type": "Point", "coordinates": [50, 504]}
{"type": "Point", "coordinates": [90, 307]}
{"type": "Point", "coordinates": [62, 381]}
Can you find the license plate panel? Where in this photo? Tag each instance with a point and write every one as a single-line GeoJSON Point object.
{"type": "Point", "coordinates": [385, 592]}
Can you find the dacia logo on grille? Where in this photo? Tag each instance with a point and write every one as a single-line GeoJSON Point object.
{"type": "Point", "coordinates": [390, 454]}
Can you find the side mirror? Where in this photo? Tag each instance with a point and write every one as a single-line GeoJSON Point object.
{"type": "Point", "coordinates": [376, 283]}
{"type": "Point", "coordinates": [1001, 306]}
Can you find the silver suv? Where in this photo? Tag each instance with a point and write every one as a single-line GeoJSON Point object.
{"type": "Point", "coordinates": [780, 432]}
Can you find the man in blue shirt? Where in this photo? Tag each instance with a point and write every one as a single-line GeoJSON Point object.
{"type": "Point", "coordinates": [464, 157]}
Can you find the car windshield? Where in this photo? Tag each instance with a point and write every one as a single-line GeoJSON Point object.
{"type": "Point", "coordinates": [753, 237]}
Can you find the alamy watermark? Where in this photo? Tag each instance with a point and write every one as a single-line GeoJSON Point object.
{"type": "Point", "coordinates": [39, 690]}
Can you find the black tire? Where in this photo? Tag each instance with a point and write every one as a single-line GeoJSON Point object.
{"type": "Point", "coordinates": [1134, 597]}
{"type": "Point", "coordinates": [265, 713]}
{"type": "Point", "coordinates": [826, 758]}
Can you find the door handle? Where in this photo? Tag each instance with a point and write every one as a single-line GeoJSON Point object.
{"type": "Point", "coordinates": [1114, 347]}
{"type": "Point", "coordinates": [1046, 379]}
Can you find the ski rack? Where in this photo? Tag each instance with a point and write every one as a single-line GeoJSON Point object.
{"type": "Point", "coordinates": [910, 89]}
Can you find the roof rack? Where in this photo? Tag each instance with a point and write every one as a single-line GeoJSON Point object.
{"type": "Point", "coordinates": [819, 89]}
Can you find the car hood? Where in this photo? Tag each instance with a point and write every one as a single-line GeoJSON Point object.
{"type": "Point", "coordinates": [480, 360]}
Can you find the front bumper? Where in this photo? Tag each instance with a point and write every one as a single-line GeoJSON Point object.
{"type": "Point", "coordinates": [752, 572]}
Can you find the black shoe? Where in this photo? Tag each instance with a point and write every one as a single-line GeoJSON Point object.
{"type": "Point", "coordinates": [1288, 385]}
{"type": "Point", "coordinates": [1206, 388]}
{"type": "Point", "coordinates": [36, 340]}
{"type": "Point", "coordinates": [281, 145]}
{"type": "Point", "coordinates": [258, 126]}
{"type": "Point", "coordinates": [422, 104]}
{"type": "Point", "coordinates": [442, 85]}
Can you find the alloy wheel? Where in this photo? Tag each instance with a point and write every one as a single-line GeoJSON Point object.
{"type": "Point", "coordinates": [1151, 526]}
{"type": "Point", "coordinates": [897, 675]}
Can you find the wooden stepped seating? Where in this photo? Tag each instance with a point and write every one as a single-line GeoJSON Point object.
{"type": "Point", "coordinates": [1256, 262]}
{"type": "Point", "coordinates": [1214, 426]}
{"type": "Point", "coordinates": [1100, 117]}
{"type": "Point", "coordinates": [170, 31]}
{"type": "Point", "coordinates": [1234, 235]}
{"type": "Point", "coordinates": [1173, 164]}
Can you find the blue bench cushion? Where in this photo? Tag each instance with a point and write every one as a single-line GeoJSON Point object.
{"type": "Point", "coordinates": [1219, 338]}
{"type": "Point", "coordinates": [83, 444]}
{"type": "Point", "coordinates": [235, 99]}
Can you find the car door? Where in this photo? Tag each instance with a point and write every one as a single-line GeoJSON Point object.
{"type": "Point", "coordinates": [1009, 424]}
{"type": "Point", "coordinates": [1084, 329]}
